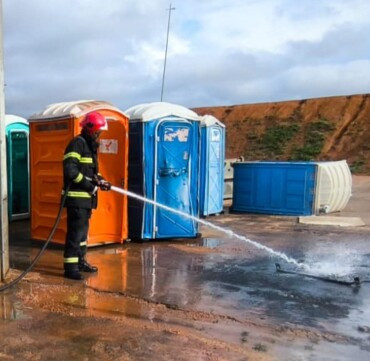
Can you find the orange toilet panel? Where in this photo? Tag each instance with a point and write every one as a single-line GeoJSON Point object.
{"type": "Point", "coordinates": [48, 140]}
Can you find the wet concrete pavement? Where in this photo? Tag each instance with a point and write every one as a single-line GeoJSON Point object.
{"type": "Point", "coordinates": [212, 298]}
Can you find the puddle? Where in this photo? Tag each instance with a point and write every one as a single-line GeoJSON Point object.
{"type": "Point", "coordinates": [165, 273]}
{"type": "Point", "coordinates": [150, 280]}
{"type": "Point", "coordinates": [206, 282]}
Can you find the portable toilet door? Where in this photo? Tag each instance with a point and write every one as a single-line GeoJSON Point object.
{"type": "Point", "coordinates": [211, 189]}
{"type": "Point", "coordinates": [50, 132]}
{"type": "Point", "coordinates": [17, 144]}
{"type": "Point", "coordinates": [164, 167]}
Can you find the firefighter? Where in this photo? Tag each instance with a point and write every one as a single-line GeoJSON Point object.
{"type": "Point", "coordinates": [81, 182]}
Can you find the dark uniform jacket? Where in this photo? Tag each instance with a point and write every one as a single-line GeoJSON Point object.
{"type": "Point", "coordinates": [80, 168]}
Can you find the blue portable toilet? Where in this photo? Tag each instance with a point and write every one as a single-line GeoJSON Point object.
{"type": "Point", "coordinates": [164, 167]}
{"type": "Point", "coordinates": [17, 151]}
{"type": "Point", "coordinates": [285, 188]}
{"type": "Point", "coordinates": [211, 188]}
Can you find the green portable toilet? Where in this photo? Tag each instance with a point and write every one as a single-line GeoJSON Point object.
{"type": "Point", "coordinates": [17, 152]}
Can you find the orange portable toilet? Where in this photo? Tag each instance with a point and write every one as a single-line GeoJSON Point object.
{"type": "Point", "coordinates": [50, 132]}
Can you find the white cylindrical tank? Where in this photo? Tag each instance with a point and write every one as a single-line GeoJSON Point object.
{"type": "Point", "coordinates": [333, 186]}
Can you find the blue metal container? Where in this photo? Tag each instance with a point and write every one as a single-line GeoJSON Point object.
{"type": "Point", "coordinates": [211, 187]}
{"type": "Point", "coordinates": [17, 151]}
{"type": "Point", "coordinates": [164, 167]}
{"type": "Point", "coordinates": [286, 188]}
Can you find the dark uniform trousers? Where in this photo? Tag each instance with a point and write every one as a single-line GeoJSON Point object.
{"type": "Point", "coordinates": [77, 229]}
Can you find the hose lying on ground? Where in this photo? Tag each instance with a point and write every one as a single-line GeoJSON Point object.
{"type": "Point", "coordinates": [356, 280]}
{"type": "Point", "coordinates": [51, 235]}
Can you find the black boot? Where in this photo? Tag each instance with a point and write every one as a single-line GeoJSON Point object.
{"type": "Point", "coordinates": [85, 266]}
{"type": "Point", "coordinates": [72, 272]}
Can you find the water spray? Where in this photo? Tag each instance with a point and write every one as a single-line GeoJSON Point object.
{"type": "Point", "coordinates": [356, 281]}
{"type": "Point", "coordinates": [304, 267]}
{"type": "Point", "coordinates": [211, 225]}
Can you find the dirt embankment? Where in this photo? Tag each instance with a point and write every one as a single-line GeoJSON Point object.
{"type": "Point", "coordinates": [332, 128]}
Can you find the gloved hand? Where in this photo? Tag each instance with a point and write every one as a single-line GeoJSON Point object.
{"type": "Point", "coordinates": [104, 185]}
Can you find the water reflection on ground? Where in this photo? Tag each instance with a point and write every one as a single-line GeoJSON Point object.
{"type": "Point", "coordinates": [229, 286]}
{"type": "Point", "coordinates": [214, 275]}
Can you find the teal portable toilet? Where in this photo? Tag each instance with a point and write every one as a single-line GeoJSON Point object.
{"type": "Point", "coordinates": [17, 150]}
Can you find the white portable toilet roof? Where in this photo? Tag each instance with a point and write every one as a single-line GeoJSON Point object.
{"type": "Point", "coordinates": [208, 120]}
{"type": "Point", "coordinates": [150, 111]}
{"type": "Point", "coordinates": [74, 108]}
{"type": "Point", "coordinates": [10, 119]}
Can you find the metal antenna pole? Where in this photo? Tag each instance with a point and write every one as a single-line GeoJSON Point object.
{"type": "Point", "coordinates": [165, 54]}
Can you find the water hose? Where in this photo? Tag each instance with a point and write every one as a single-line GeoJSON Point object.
{"type": "Point", "coordinates": [356, 280]}
{"type": "Point", "coordinates": [42, 250]}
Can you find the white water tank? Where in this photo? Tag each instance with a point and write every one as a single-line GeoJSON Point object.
{"type": "Point", "coordinates": [333, 186]}
{"type": "Point", "coordinates": [229, 176]}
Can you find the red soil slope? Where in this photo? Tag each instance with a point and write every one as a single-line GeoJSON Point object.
{"type": "Point", "coordinates": [332, 128]}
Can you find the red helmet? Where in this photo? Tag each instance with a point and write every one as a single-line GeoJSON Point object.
{"type": "Point", "coordinates": [93, 122]}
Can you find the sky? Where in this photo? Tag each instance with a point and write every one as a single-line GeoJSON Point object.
{"type": "Point", "coordinates": [220, 52]}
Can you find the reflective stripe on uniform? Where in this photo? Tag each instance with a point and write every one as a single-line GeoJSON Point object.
{"type": "Point", "coordinates": [71, 260]}
{"type": "Point", "coordinates": [86, 160]}
{"type": "Point", "coordinates": [83, 244]}
{"type": "Point", "coordinates": [79, 178]}
{"type": "Point", "coordinates": [72, 155]}
{"type": "Point", "coordinates": [77, 194]}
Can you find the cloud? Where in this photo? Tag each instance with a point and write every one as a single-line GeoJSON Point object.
{"type": "Point", "coordinates": [323, 78]}
{"type": "Point", "coordinates": [220, 52]}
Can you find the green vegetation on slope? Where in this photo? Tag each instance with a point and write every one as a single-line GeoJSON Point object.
{"type": "Point", "coordinates": [276, 138]}
{"type": "Point", "coordinates": [288, 141]}
{"type": "Point", "coordinates": [313, 140]}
